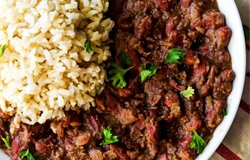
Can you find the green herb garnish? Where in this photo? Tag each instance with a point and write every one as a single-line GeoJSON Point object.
{"type": "Point", "coordinates": [147, 71]}
{"type": "Point", "coordinates": [225, 112]}
{"type": "Point", "coordinates": [88, 46]}
{"type": "Point", "coordinates": [119, 75]}
{"type": "Point", "coordinates": [188, 92]}
{"type": "Point", "coordinates": [2, 49]}
{"type": "Point", "coordinates": [246, 32]}
{"type": "Point", "coordinates": [107, 136]}
{"type": "Point", "coordinates": [198, 143]}
{"type": "Point", "coordinates": [26, 154]}
{"type": "Point", "coordinates": [175, 55]}
{"type": "Point", "coordinates": [7, 142]}
{"type": "Point", "coordinates": [124, 58]}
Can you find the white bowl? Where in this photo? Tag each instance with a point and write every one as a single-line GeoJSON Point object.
{"type": "Point", "coordinates": [237, 50]}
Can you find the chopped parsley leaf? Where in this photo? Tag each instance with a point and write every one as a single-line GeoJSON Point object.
{"type": "Point", "coordinates": [119, 75]}
{"type": "Point", "coordinates": [225, 112]}
{"type": "Point", "coordinates": [26, 154]}
{"type": "Point", "coordinates": [124, 58]}
{"type": "Point", "coordinates": [198, 143]}
{"type": "Point", "coordinates": [7, 142]}
{"type": "Point", "coordinates": [88, 46]}
{"type": "Point", "coordinates": [2, 49]}
{"type": "Point", "coordinates": [107, 136]}
{"type": "Point", "coordinates": [147, 71]}
{"type": "Point", "coordinates": [175, 55]}
{"type": "Point", "coordinates": [188, 92]}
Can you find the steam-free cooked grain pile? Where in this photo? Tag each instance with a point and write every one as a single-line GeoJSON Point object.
{"type": "Point", "coordinates": [46, 66]}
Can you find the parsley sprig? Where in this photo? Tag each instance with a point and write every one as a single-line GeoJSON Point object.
{"type": "Point", "coordinates": [147, 71]}
{"type": "Point", "coordinates": [2, 49]}
{"type": "Point", "coordinates": [26, 154]}
{"type": "Point", "coordinates": [107, 136]}
{"type": "Point", "coordinates": [124, 58]}
{"type": "Point", "coordinates": [225, 112]}
{"type": "Point", "coordinates": [198, 143]}
{"type": "Point", "coordinates": [88, 46]}
{"type": "Point", "coordinates": [7, 142]}
{"type": "Point", "coordinates": [188, 92]}
{"type": "Point", "coordinates": [246, 32]}
{"type": "Point", "coordinates": [119, 75]}
{"type": "Point", "coordinates": [175, 55]}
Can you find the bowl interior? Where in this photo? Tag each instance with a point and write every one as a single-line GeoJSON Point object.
{"type": "Point", "coordinates": [237, 50]}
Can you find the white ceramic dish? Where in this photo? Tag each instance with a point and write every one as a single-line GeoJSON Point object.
{"type": "Point", "coordinates": [237, 50]}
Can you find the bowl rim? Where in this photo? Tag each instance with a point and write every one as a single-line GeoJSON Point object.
{"type": "Point", "coordinates": [233, 21]}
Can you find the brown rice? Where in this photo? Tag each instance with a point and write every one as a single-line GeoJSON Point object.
{"type": "Point", "coordinates": [46, 67]}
